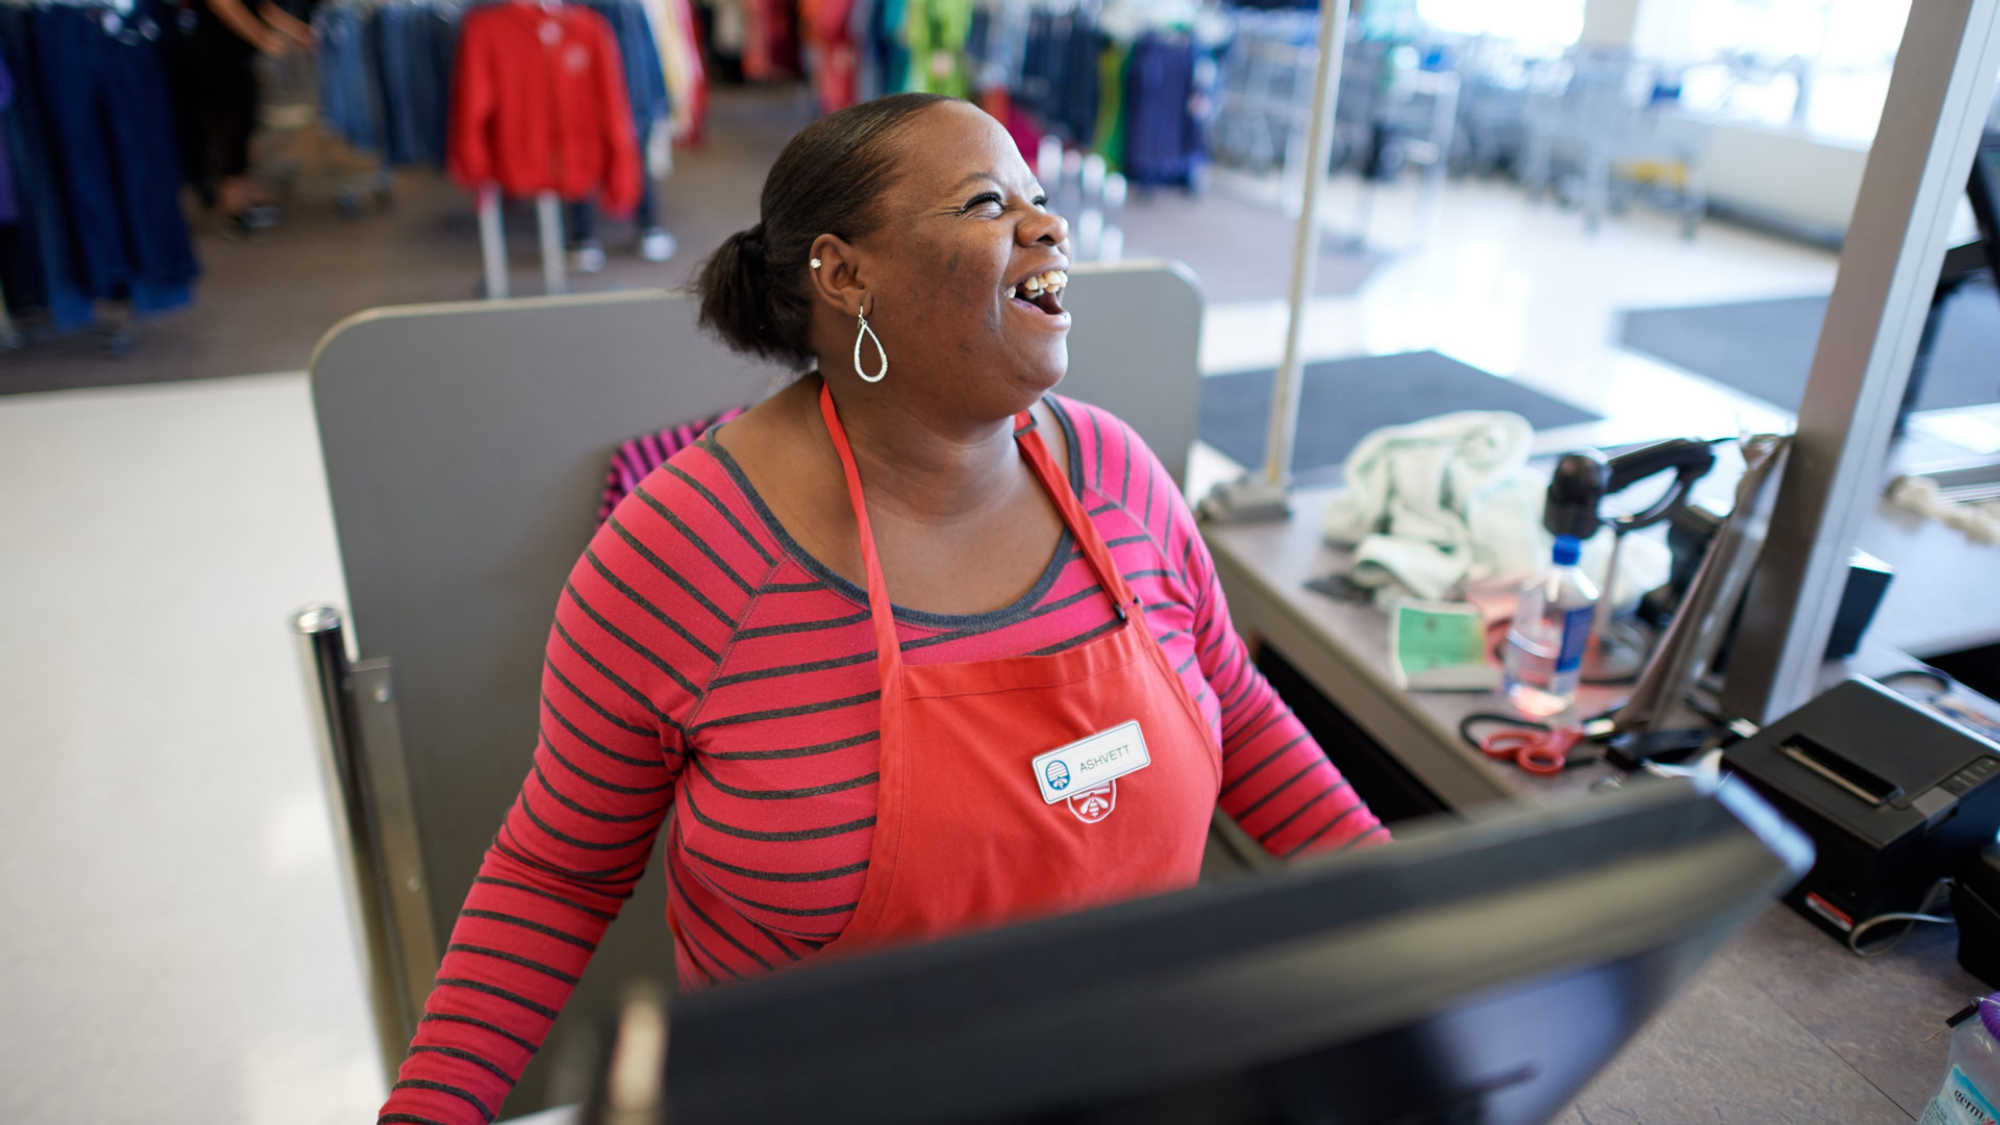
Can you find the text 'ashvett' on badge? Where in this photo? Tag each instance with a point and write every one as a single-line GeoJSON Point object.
{"type": "Point", "coordinates": [1089, 763]}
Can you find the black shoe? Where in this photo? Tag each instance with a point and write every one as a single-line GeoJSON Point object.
{"type": "Point", "coordinates": [250, 222]}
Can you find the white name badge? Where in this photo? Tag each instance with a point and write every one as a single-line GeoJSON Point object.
{"type": "Point", "coordinates": [1087, 763]}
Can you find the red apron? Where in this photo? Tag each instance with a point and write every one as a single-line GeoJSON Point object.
{"type": "Point", "coordinates": [977, 823]}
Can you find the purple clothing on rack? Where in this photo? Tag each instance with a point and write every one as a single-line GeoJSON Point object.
{"type": "Point", "coordinates": [636, 457]}
{"type": "Point", "coordinates": [10, 211]}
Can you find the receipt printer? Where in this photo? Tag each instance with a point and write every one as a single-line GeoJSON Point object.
{"type": "Point", "coordinates": [1894, 796]}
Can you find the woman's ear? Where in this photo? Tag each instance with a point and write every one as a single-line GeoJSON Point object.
{"type": "Point", "coordinates": [836, 274]}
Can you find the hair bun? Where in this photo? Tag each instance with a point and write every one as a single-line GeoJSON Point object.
{"type": "Point", "coordinates": [732, 286]}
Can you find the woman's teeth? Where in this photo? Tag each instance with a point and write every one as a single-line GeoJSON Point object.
{"type": "Point", "coordinates": [1051, 282]}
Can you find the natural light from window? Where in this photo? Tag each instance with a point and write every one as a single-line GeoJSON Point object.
{"type": "Point", "coordinates": [1541, 24]}
{"type": "Point", "coordinates": [1842, 49]}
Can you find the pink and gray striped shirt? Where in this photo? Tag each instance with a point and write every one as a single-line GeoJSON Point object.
{"type": "Point", "coordinates": [707, 677]}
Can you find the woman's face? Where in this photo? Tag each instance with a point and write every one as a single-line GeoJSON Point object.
{"type": "Point", "coordinates": [964, 223]}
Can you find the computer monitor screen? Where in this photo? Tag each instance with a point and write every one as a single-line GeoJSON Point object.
{"type": "Point", "coordinates": [1478, 972]}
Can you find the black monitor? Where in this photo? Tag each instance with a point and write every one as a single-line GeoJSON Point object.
{"type": "Point", "coordinates": [1480, 972]}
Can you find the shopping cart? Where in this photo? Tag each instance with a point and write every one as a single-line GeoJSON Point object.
{"type": "Point", "coordinates": [305, 162]}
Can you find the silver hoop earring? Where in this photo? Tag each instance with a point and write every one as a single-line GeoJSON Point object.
{"type": "Point", "coordinates": [868, 333]}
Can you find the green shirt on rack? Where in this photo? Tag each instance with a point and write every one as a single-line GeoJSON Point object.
{"type": "Point", "coordinates": [937, 32]}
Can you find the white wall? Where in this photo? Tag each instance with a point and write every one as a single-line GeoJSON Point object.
{"type": "Point", "coordinates": [1781, 172]}
{"type": "Point", "coordinates": [1774, 172]}
{"type": "Point", "coordinates": [1610, 23]}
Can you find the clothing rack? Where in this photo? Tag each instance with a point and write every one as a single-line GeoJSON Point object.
{"type": "Point", "coordinates": [82, 247]}
{"type": "Point", "coordinates": [406, 107]}
{"type": "Point", "coordinates": [604, 44]}
{"type": "Point", "coordinates": [493, 243]}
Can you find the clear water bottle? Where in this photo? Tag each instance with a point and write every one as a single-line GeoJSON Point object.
{"type": "Point", "coordinates": [1971, 1091]}
{"type": "Point", "coordinates": [1544, 657]}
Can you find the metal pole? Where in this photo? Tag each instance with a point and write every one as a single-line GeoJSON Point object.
{"type": "Point", "coordinates": [1305, 246]}
{"type": "Point", "coordinates": [1916, 173]}
{"type": "Point", "coordinates": [492, 244]}
{"type": "Point", "coordinates": [548, 215]}
{"type": "Point", "coordinates": [323, 648]}
{"type": "Point", "coordinates": [1262, 495]}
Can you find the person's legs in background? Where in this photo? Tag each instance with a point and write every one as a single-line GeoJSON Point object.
{"type": "Point", "coordinates": [233, 118]}
{"type": "Point", "coordinates": [580, 231]}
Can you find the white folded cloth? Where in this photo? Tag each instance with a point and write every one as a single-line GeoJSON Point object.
{"type": "Point", "coordinates": [1438, 502]}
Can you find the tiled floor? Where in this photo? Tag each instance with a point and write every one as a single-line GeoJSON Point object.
{"type": "Point", "coordinates": [177, 946]}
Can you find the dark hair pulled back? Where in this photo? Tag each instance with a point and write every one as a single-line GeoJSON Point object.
{"type": "Point", "coordinates": [755, 290]}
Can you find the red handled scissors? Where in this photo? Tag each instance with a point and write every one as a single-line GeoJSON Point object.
{"type": "Point", "coordinates": [1536, 747]}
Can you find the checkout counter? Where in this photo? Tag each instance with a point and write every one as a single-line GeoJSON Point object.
{"type": "Point", "coordinates": [1784, 1024]}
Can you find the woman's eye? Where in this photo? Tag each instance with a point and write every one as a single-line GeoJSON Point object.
{"type": "Point", "coordinates": [1041, 201]}
{"type": "Point", "coordinates": [989, 199]}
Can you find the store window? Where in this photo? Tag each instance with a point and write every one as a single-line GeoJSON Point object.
{"type": "Point", "coordinates": [1820, 65]}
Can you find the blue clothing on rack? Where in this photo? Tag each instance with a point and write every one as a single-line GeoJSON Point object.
{"type": "Point", "coordinates": [441, 32]}
{"type": "Point", "coordinates": [1163, 142]}
{"type": "Point", "coordinates": [1076, 114]}
{"type": "Point", "coordinates": [395, 146]}
{"type": "Point", "coordinates": [406, 64]}
{"type": "Point", "coordinates": [639, 52]}
{"type": "Point", "coordinates": [397, 59]}
{"type": "Point", "coordinates": [41, 273]}
{"type": "Point", "coordinates": [346, 94]}
{"type": "Point", "coordinates": [101, 175]}
{"type": "Point", "coordinates": [10, 212]}
{"type": "Point", "coordinates": [887, 43]}
{"type": "Point", "coordinates": [646, 89]}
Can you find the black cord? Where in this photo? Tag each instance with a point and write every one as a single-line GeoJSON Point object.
{"type": "Point", "coordinates": [1911, 919]}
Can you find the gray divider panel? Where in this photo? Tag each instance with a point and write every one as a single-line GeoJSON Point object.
{"type": "Point", "coordinates": [1135, 350]}
{"type": "Point", "coordinates": [465, 449]}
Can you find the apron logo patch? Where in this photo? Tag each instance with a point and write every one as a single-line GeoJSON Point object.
{"type": "Point", "coordinates": [1093, 805]}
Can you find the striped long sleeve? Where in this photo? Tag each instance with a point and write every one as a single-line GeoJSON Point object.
{"type": "Point", "coordinates": [706, 677]}
{"type": "Point", "coordinates": [1277, 783]}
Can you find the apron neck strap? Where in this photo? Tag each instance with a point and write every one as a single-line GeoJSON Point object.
{"type": "Point", "coordinates": [881, 611]}
{"type": "Point", "coordinates": [1073, 515]}
{"type": "Point", "coordinates": [888, 651]}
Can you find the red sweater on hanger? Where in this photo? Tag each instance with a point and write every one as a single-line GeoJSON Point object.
{"type": "Point", "coordinates": [539, 104]}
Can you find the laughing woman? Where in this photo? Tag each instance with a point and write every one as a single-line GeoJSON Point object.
{"type": "Point", "coordinates": [914, 646]}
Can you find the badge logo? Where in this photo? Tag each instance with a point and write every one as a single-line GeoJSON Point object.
{"type": "Point", "coordinates": [1093, 805]}
{"type": "Point", "coordinates": [1058, 775]}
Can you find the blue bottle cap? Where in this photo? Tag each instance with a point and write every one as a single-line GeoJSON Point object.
{"type": "Point", "coordinates": [1567, 551]}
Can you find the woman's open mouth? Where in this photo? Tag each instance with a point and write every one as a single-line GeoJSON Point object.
{"type": "Point", "coordinates": [1041, 292]}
